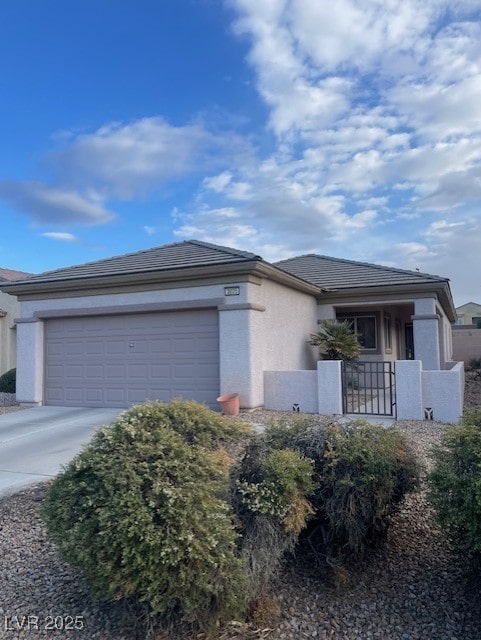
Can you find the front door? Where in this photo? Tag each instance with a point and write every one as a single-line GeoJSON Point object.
{"type": "Point", "coordinates": [409, 341]}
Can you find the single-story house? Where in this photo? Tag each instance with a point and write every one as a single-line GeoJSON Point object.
{"type": "Point", "coordinates": [9, 310]}
{"type": "Point", "coordinates": [469, 313]}
{"type": "Point", "coordinates": [196, 320]}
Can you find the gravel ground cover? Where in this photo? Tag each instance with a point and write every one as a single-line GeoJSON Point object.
{"type": "Point", "coordinates": [413, 588]}
{"type": "Point", "coordinates": [7, 400]}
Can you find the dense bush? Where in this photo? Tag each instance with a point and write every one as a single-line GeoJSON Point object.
{"type": "Point", "coordinates": [455, 483]}
{"type": "Point", "coordinates": [8, 381]}
{"type": "Point", "coordinates": [142, 512]}
{"type": "Point", "coordinates": [270, 488]}
{"type": "Point", "coordinates": [362, 473]}
{"type": "Point", "coordinates": [172, 506]}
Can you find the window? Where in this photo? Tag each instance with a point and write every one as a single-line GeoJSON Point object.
{"type": "Point", "coordinates": [365, 327]}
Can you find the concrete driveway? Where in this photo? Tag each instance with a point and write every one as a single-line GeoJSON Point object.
{"type": "Point", "coordinates": [36, 442]}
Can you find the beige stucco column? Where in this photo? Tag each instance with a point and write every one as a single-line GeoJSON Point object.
{"type": "Point", "coordinates": [30, 358]}
{"type": "Point", "coordinates": [426, 334]}
{"type": "Point", "coordinates": [241, 365]}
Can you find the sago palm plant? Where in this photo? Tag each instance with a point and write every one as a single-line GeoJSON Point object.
{"type": "Point", "coordinates": [336, 341]}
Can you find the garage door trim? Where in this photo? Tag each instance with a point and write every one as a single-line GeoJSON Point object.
{"type": "Point", "coordinates": [149, 307]}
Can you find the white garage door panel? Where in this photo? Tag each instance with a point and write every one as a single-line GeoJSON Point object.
{"type": "Point", "coordinates": [119, 360]}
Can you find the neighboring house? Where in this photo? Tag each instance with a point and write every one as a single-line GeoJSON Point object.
{"type": "Point", "coordinates": [9, 310]}
{"type": "Point", "coordinates": [469, 313]}
{"type": "Point", "coordinates": [194, 319]}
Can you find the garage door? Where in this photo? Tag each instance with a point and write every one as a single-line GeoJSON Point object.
{"type": "Point", "coordinates": [115, 361]}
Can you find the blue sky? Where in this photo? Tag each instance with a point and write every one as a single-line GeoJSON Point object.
{"type": "Point", "coordinates": [281, 127]}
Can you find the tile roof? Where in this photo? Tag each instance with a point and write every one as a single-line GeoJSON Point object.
{"type": "Point", "coordinates": [327, 273]}
{"type": "Point", "coordinates": [179, 255]}
{"type": "Point", "coordinates": [7, 275]}
{"type": "Point", "coordinates": [335, 273]}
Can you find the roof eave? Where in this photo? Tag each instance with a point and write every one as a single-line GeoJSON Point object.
{"type": "Point", "coordinates": [178, 274]}
{"type": "Point", "coordinates": [441, 288]}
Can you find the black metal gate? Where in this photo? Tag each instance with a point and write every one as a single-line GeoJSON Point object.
{"type": "Point", "coordinates": [369, 388]}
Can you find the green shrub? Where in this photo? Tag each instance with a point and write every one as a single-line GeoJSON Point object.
{"type": "Point", "coordinates": [455, 483]}
{"type": "Point", "coordinates": [196, 423]}
{"type": "Point", "coordinates": [8, 381]}
{"type": "Point", "coordinates": [363, 471]}
{"type": "Point", "coordinates": [283, 478]}
{"type": "Point", "coordinates": [142, 512]}
{"type": "Point", "coordinates": [367, 471]}
{"type": "Point", "coordinates": [270, 489]}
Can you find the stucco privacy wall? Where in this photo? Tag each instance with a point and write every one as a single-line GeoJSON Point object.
{"type": "Point", "coordinates": [313, 391]}
{"type": "Point", "coordinates": [466, 343]}
{"type": "Point", "coordinates": [442, 392]}
{"type": "Point", "coordinates": [285, 390]}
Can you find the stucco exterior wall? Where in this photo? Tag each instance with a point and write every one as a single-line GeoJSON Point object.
{"type": "Point", "coordinates": [279, 335]}
{"type": "Point", "coordinates": [8, 334]}
{"type": "Point", "coordinates": [289, 319]}
{"type": "Point", "coordinates": [29, 307]}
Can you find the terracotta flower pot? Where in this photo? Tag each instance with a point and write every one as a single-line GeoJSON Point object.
{"type": "Point", "coordinates": [229, 404]}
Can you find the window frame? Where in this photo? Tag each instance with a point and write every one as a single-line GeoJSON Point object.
{"type": "Point", "coordinates": [353, 318]}
{"type": "Point", "coordinates": [387, 333]}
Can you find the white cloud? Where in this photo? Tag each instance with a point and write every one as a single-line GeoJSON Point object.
{"type": "Point", "coordinates": [127, 160]}
{"type": "Point", "coordinates": [151, 230]}
{"type": "Point", "coordinates": [52, 204]}
{"type": "Point", "coordinates": [453, 190]}
{"type": "Point", "coordinates": [218, 183]}
{"type": "Point", "coordinates": [60, 235]}
{"type": "Point", "coordinates": [224, 184]}
{"type": "Point", "coordinates": [211, 224]}
{"type": "Point", "coordinates": [444, 230]}
{"type": "Point", "coordinates": [412, 252]}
